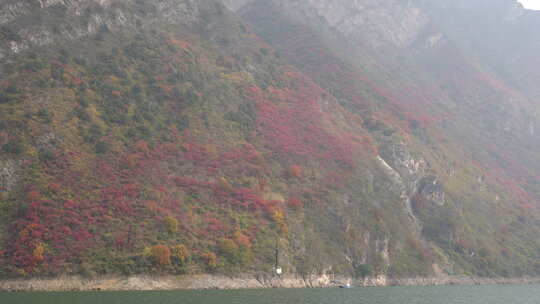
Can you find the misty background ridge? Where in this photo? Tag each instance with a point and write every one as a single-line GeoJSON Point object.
{"type": "Point", "coordinates": [531, 4]}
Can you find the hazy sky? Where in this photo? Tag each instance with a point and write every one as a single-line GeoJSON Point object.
{"type": "Point", "coordinates": [531, 4]}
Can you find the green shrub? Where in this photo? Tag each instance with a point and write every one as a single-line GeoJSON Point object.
{"type": "Point", "coordinates": [103, 30]}
{"type": "Point", "coordinates": [182, 123]}
{"type": "Point", "coordinates": [81, 61]}
{"type": "Point", "coordinates": [34, 66]}
{"type": "Point", "coordinates": [9, 34]}
{"type": "Point", "coordinates": [14, 147]}
{"type": "Point", "coordinates": [58, 10]}
{"type": "Point", "coordinates": [102, 147]}
{"type": "Point", "coordinates": [43, 83]}
{"type": "Point", "coordinates": [172, 224]}
{"type": "Point", "coordinates": [46, 156]}
{"type": "Point", "coordinates": [64, 56]}
{"type": "Point", "coordinates": [363, 271]}
{"type": "Point", "coordinates": [44, 115]}
{"type": "Point", "coordinates": [82, 114]}
{"type": "Point", "coordinates": [57, 72]}
{"type": "Point", "coordinates": [234, 254]}
{"type": "Point", "coordinates": [12, 89]}
{"type": "Point", "coordinates": [4, 98]}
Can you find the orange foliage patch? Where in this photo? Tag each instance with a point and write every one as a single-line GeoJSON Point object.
{"type": "Point", "coordinates": [242, 240]}
{"type": "Point", "coordinates": [131, 161]}
{"type": "Point", "coordinates": [162, 254]}
{"type": "Point", "coordinates": [295, 171]}
{"type": "Point", "coordinates": [33, 195]}
{"type": "Point", "coordinates": [210, 259]}
{"type": "Point", "coordinates": [55, 187]}
{"type": "Point", "coordinates": [182, 253]}
{"type": "Point", "coordinates": [142, 146]}
{"type": "Point", "coordinates": [38, 253]}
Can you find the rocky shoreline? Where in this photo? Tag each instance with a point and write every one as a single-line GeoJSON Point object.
{"type": "Point", "coordinates": [193, 282]}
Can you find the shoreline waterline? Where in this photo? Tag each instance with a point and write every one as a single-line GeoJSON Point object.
{"type": "Point", "coordinates": [222, 282]}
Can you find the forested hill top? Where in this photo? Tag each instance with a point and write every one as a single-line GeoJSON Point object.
{"type": "Point", "coordinates": [360, 137]}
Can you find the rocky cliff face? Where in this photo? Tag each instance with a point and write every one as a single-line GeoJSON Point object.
{"type": "Point", "coordinates": [235, 5]}
{"type": "Point", "coordinates": [372, 23]}
{"type": "Point", "coordinates": [396, 23]}
{"type": "Point", "coordinates": [28, 24]}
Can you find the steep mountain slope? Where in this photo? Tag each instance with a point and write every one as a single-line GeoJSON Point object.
{"type": "Point", "coordinates": [471, 124]}
{"type": "Point", "coordinates": [180, 145]}
{"type": "Point", "coordinates": [174, 137]}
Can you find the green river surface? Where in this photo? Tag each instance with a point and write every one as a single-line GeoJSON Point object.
{"type": "Point", "coordinates": [507, 294]}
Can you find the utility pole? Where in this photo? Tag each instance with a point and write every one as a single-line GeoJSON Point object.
{"type": "Point", "coordinates": [277, 269]}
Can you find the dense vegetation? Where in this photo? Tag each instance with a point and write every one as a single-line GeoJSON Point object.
{"type": "Point", "coordinates": [188, 149]}
{"type": "Point", "coordinates": [160, 152]}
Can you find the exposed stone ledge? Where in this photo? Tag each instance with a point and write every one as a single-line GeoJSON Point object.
{"type": "Point", "coordinates": [75, 283]}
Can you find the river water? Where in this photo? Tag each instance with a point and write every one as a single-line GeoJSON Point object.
{"type": "Point", "coordinates": [508, 294]}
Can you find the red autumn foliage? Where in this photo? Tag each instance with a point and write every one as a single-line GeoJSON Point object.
{"type": "Point", "coordinates": [214, 224]}
{"type": "Point", "coordinates": [294, 127]}
{"type": "Point", "coordinates": [54, 187]}
{"type": "Point", "coordinates": [91, 207]}
{"type": "Point", "coordinates": [295, 203]}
